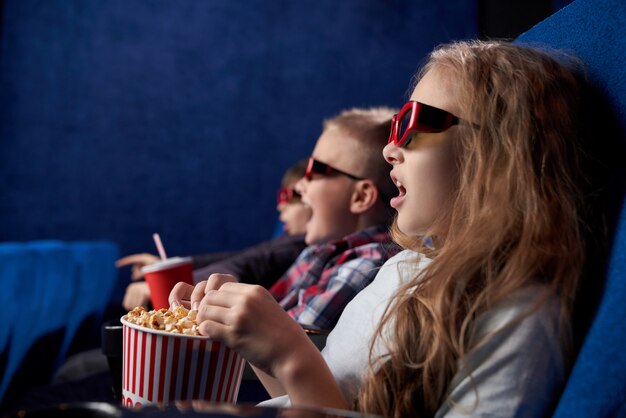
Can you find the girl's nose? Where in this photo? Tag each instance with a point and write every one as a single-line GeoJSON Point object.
{"type": "Point", "coordinates": [392, 154]}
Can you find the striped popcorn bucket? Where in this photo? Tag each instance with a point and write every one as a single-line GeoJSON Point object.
{"type": "Point", "coordinates": [160, 367]}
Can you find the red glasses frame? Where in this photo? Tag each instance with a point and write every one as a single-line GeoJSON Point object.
{"type": "Point", "coordinates": [422, 118]}
{"type": "Point", "coordinates": [317, 167]}
{"type": "Point", "coordinates": [287, 195]}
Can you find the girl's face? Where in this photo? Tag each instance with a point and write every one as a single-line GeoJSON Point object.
{"type": "Point", "coordinates": [424, 170]}
{"type": "Point", "coordinates": [294, 215]}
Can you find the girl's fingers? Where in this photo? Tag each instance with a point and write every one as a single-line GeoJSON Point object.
{"type": "Point", "coordinates": [197, 294]}
{"type": "Point", "coordinates": [218, 298]}
{"type": "Point", "coordinates": [181, 292]}
{"type": "Point", "coordinates": [231, 294]}
{"type": "Point", "coordinates": [216, 280]}
{"type": "Point", "coordinates": [214, 313]}
{"type": "Point", "coordinates": [234, 286]}
{"type": "Point", "coordinates": [215, 330]}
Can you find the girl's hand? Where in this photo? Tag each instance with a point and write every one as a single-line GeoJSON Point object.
{"type": "Point", "coordinates": [190, 296]}
{"type": "Point", "coordinates": [248, 319]}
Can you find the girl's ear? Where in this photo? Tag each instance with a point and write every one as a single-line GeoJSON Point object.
{"type": "Point", "coordinates": [364, 196]}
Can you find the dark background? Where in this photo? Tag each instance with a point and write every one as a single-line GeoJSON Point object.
{"type": "Point", "coordinates": [123, 118]}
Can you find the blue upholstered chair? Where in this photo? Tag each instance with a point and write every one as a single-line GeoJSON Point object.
{"type": "Point", "coordinates": [595, 30]}
{"type": "Point", "coordinates": [50, 289]}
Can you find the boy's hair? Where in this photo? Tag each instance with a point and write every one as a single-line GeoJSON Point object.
{"type": "Point", "coordinates": [370, 128]}
{"type": "Point", "coordinates": [513, 220]}
{"type": "Point", "coordinates": [294, 173]}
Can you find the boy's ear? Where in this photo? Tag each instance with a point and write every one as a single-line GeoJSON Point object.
{"type": "Point", "coordinates": [364, 196]}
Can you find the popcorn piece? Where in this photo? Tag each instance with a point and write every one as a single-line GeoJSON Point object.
{"type": "Point", "coordinates": [178, 321]}
{"type": "Point", "coordinates": [192, 315]}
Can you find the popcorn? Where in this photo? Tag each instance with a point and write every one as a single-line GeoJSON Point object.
{"type": "Point", "coordinates": [178, 321]}
{"type": "Point", "coordinates": [166, 360]}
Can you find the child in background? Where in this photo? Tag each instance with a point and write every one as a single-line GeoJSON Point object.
{"type": "Point", "coordinates": [474, 317]}
{"type": "Point", "coordinates": [264, 263]}
{"type": "Point", "coordinates": [347, 187]}
{"type": "Point", "coordinates": [261, 264]}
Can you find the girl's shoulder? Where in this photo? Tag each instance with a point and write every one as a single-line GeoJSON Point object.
{"type": "Point", "coordinates": [534, 306]}
{"type": "Point", "coordinates": [407, 264]}
{"type": "Point", "coordinates": [410, 258]}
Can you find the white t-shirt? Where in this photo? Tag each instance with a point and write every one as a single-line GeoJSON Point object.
{"type": "Point", "coordinates": [515, 373]}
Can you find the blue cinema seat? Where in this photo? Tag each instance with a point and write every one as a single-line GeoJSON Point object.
{"type": "Point", "coordinates": [51, 290]}
{"type": "Point", "coordinates": [595, 30]}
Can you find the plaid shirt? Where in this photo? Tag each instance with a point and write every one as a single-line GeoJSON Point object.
{"type": "Point", "coordinates": [325, 277]}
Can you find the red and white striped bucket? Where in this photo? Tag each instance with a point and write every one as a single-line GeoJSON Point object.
{"type": "Point", "coordinates": [160, 367]}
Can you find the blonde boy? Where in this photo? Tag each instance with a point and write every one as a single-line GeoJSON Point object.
{"type": "Point", "coordinates": [347, 187]}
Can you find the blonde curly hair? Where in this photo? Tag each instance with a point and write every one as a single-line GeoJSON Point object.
{"type": "Point", "coordinates": [513, 220]}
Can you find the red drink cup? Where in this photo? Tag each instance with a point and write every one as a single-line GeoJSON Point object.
{"type": "Point", "coordinates": [163, 275]}
{"type": "Point", "coordinates": [161, 367]}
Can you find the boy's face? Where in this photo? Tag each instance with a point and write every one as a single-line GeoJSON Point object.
{"type": "Point", "coordinates": [329, 196]}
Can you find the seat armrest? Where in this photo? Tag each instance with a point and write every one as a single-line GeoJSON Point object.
{"type": "Point", "coordinates": [317, 335]}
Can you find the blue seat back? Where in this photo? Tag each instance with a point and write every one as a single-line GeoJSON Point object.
{"type": "Point", "coordinates": [595, 31]}
{"type": "Point", "coordinates": [49, 288]}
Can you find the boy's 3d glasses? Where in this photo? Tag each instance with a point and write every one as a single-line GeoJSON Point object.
{"type": "Point", "coordinates": [317, 167]}
{"type": "Point", "coordinates": [287, 195]}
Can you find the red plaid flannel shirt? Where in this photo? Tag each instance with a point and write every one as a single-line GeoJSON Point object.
{"type": "Point", "coordinates": [325, 277]}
